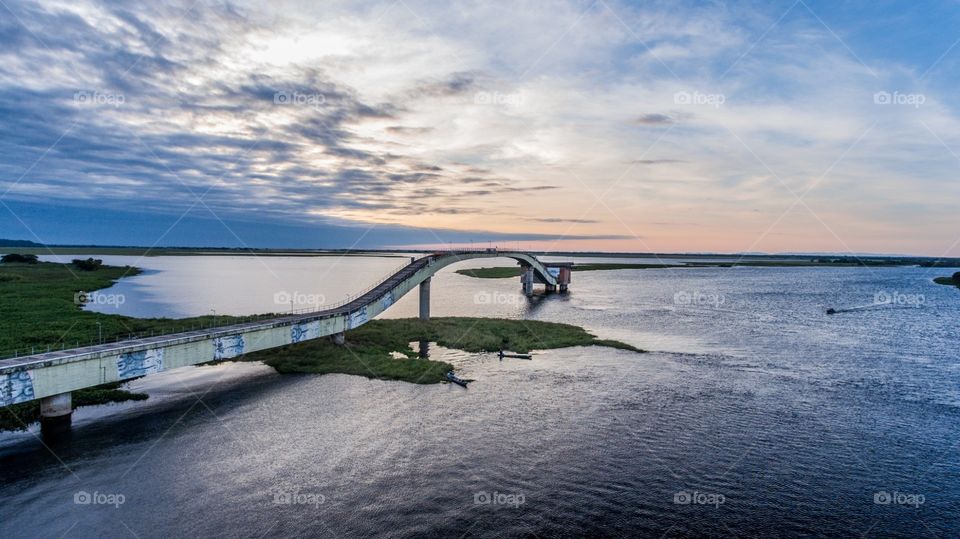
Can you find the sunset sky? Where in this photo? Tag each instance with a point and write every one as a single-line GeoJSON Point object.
{"type": "Point", "coordinates": [800, 126]}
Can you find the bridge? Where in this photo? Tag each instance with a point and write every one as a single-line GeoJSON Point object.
{"type": "Point", "coordinates": [53, 375]}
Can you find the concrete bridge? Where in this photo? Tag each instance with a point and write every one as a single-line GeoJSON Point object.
{"type": "Point", "coordinates": [52, 376]}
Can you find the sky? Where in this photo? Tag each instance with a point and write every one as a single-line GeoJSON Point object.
{"type": "Point", "coordinates": [796, 126]}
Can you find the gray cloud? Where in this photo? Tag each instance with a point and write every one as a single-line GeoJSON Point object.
{"type": "Point", "coordinates": [455, 84]}
{"type": "Point", "coordinates": [405, 130]}
{"type": "Point", "coordinates": [654, 119]}
{"type": "Point", "coordinates": [655, 161]}
{"type": "Point", "coordinates": [147, 150]}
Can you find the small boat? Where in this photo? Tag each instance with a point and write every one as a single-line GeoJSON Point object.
{"type": "Point", "coordinates": [517, 356]}
{"type": "Point", "coordinates": [453, 378]}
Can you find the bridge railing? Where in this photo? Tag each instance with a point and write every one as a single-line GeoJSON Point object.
{"type": "Point", "coordinates": [353, 297]}
{"type": "Point", "coordinates": [186, 326]}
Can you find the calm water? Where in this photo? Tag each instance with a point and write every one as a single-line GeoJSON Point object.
{"type": "Point", "coordinates": [771, 417]}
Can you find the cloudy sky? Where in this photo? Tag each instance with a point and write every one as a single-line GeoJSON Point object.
{"type": "Point", "coordinates": [794, 126]}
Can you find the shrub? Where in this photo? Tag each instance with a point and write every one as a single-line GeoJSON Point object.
{"type": "Point", "coordinates": [23, 259]}
{"type": "Point", "coordinates": [956, 277]}
{"type": "Point", "coordinates": [90, 264]}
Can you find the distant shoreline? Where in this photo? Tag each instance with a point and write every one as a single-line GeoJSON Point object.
{"type": "Point", "coordinates": [25, 247]}
{"type": "Point", "coordinates": [504, 272]}
{"type": "Point", "coordinates": [704, 259]}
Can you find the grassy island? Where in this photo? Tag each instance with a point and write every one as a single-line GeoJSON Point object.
{"type": "Point", "coordinates": [369, 350]}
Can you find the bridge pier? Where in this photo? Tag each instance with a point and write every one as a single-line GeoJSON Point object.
{"type": "Point", "coordinates": [527, 279]}
{"type": "Point", "coordinates": [425, 299]}
{"type": "Point", "coordinates": [55, 413]}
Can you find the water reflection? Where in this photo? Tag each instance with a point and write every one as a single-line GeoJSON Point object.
{"type": "Point", "coordinates": [768, 401]}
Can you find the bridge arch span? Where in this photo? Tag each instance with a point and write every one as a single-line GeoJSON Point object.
{"type": "Point", "coordinates": [428, 266]}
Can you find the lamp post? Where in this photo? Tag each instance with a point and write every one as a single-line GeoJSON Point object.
{"type": "Point", "coordinates": [100, 332]}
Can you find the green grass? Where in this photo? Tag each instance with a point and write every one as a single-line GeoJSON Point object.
{"type": "Point", "coordinates": [39, 309]}
{"type": "Point", "coordinates": [20, 416]}
{"type": "Point", "coordinates": [947, 281]}
{"type": "Point", "coordinates": [369, 347]}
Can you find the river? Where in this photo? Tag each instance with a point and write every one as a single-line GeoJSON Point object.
{"type": "Point", "coordinates": [754, 414]}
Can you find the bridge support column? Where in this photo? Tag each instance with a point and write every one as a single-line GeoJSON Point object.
{"type": "Point", "coordinates": [527, 279]}
{"type": "Point", "coordinates": [340, 338]}
{"type": "Point", "coordinates": [55, 413]}
{"type": "Point", "coordinates": [425, 299]}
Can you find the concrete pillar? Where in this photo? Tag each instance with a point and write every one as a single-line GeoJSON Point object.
{"type": "Point", "coordinates": [55, 412]}
{"type": "Point", "coordinates": [340, 338]}
{"type": "Point", "coordinates": [425, 299]}
{"type": "Point", "coordinates": [527, 280]}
